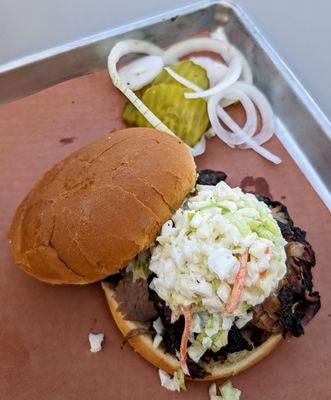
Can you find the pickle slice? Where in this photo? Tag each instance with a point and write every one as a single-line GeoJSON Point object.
{"type": "Point", "coordinates": [188, 118]}
{"type": "Point", "coordinates": [130, 113]}
{"type": "Point", "coordinates": [188, 70]}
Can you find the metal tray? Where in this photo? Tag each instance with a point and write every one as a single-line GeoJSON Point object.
{"type": "Point", "coordinates": [300, 124]}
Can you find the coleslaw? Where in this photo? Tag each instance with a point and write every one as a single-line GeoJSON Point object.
{"type": "Point", "coordinates": [197, 260]}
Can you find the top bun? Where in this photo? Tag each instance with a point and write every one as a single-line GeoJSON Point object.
{"type": "Point", "coordinates": [97, 209]}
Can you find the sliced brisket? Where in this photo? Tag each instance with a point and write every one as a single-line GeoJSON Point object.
{"type": "Point", "coordinates": [133, 301]}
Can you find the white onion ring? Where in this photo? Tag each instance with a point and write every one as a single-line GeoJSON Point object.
{"type": "Point", "coordinates": [182, 80]}
{"type": "Point", "coordinates": [199, 148]}
{"type": "Point", "coordinates": [224, 49]}
{"type": "Point", "coordinates": [263, 152]}
{"type": "Point", "coordinates": [265, 109]}
{"type": "Point", "coordinates": [232, 75]}
{"type": "Point", "coordinates": [239, 135]}
{"type": "Point", "coordinates": [215, 69]}
{"type": "Point", "coordinates": [243, 136]}
{"type": "Point", "coordinates": [141, 72]}
{"type": "Point", "coordinates": [209, 133]}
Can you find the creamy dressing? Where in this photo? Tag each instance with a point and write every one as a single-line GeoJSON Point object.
{"type": "Point", "coordinates": [196, 261]}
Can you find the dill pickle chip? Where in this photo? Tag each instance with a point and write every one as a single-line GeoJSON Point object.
{"type": "Point", "coordinates": [130, 113]}
{"type": "Point", "coordinates": [188, 70]}
{"type": "Point", "coordinates": [188, 118]}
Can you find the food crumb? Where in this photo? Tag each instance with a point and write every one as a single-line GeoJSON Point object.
{"type": "Point", "coordinates": [176, 383]}
{"type": "Point", "coordinates": [95, 340]}
{"type": "Point", "coordinates": [227, 392]}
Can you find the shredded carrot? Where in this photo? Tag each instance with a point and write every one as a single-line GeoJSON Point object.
{"type": "Point", "coordinates": [184, 340]}
{"type": "Point", "coordinates": [267, 250]}
{"type": "Point", "coordinates": [262, 274]}
{"type": "Point", "coordinates": [238, 286]}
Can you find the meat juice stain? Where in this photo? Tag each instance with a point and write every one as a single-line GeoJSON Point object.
{"type": "Point", "coordinates": [257, 185]}
{"type": "Point", "coordinates": [67, 140]}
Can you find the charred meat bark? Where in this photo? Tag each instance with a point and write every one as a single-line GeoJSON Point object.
{"type": "Point", "coordinates": [236, 342]}
{"type": "Point", "coordinates": [210, 177]}
{"type": "Point", "coordinates": [297, 302]}
{"type": "Point", "coordinates": [173, 331]}
{"type": "Point", "coordinates": [266, 315]}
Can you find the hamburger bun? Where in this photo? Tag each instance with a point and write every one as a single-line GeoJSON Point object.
{"type": "Point", "coordinates": [101, 206]}
{"type": "Point", "coordinates": [143, 344]}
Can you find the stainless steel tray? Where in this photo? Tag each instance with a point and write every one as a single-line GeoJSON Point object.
{"type": "Point", "coordinates": [301, 126]}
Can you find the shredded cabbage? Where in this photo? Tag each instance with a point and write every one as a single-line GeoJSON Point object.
{"type": "Point", "coordinates": [157, 340]}
{"type": "Point", "coordinates": [159, 328]}
{"type": "Point", "coordinates": [213, 391]}
{"type": "Point", "coordinates": [212, 336]}
{"type": "Point", "coordinates": [228, 392]}
{"type": "Point", "coordinates": [139, 266]}
{"type": "Point", "coordinates": [180, 378]}
{"type": "Point", "coordinates": [95, 340]}
{"type": "Point", "coordinates": [196, 261]}
{"type": "Point", "coordinates": [176, 383]}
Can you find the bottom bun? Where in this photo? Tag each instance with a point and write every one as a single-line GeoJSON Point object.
{"type": "Point", "coordinates": [143, 344]}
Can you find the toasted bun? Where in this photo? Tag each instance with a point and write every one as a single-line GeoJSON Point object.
{"type": "Point", "coordinates": [97, 209]}
{"type": "Point", "coordinates": [143, 345]}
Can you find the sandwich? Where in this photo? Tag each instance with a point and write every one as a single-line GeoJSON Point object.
{"type": "Point", "coordinates": [200, 277]}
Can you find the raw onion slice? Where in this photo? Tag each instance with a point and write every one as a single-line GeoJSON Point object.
{"type": "Point", "coordinates": [140, 72]}
{"type": "Point", "coordinates": [251, 144]}
{"type": "Point", "coordinates": [117, 52]}
{"type": "Point", "coordinates": [232, 75]}
{"type": "Point", "coordinates": [215, 72]}
{"type": "Point", "coordinates": [224, 49]}
{"type": "Point", "coordinates": [243, 136]}
{"type": "Point", "coordinates": [215, 111]}
{"type": "Point", "coordinates": [215, 69]}
{"type": "Point", "coordinates": [240, 135]}
{"type": "Point", "coordinates": [210, 133]}
{"type": "Point", "coordinates": [185, 82]}
{"type": "Point", "coordinates": [199, 148]}
{"type": "Point", "coordinates": [265, 109]}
